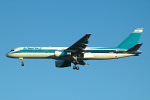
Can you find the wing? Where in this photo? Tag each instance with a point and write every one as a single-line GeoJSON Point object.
{"type": "Point", "coordinates": [80, 45]}
{"type": "Point", "coordinates": [77, 50]}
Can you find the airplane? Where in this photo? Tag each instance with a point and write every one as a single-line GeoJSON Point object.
{"type": "Point", "coordinates": [78, 52]}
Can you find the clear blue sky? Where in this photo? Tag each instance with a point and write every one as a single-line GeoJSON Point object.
{"type": "Point", "coordinates": [61, 23]}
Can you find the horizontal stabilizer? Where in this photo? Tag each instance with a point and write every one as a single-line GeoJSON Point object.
{"type": "Point", "coordinates": [135, 48]}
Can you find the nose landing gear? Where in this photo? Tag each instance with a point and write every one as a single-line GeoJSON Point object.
{"type": "Point", "coordinates": [21, 61]}
{"type": "Point", "coordinates": [22, 64]}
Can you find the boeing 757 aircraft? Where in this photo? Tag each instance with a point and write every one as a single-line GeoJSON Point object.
{"type": "Point", "coordinates": [79, 51]}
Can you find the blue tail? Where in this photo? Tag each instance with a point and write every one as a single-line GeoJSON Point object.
{"type": "Point", "coordinates": [131, 40]}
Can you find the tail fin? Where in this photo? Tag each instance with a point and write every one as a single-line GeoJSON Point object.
{"type": "Point", "coordinates": [131, 40]}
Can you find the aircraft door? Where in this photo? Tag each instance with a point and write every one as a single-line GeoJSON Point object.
{"type": "Point", "coordinates": [46, 51]}
{"type": "Point", "coordinates": [117, 51]}
{"type": "Point", "coordinates": [116, 56]}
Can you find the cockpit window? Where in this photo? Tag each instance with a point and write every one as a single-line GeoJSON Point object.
{"type": "Point", "coordinates": [12, 50]}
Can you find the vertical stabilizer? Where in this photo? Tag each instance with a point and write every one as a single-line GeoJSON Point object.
{"type": "Point", "coordinates": [131, 40]}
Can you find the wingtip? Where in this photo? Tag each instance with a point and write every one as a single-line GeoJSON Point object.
{"type": "Point", "coordinates": [88, 34]}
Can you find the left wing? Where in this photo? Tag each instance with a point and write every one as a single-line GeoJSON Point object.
{"type": "Point", "coordinates": [77, 50]}
{"type": "Point", "coordinates": [80, 45]}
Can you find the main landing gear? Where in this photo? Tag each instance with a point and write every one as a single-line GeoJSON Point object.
{"type": "Point", "coordinates": [75, 62]}
{"type": "Point", "coordinates": [21, 61]}
{"type": "Point", "coordinates": [76, 67]}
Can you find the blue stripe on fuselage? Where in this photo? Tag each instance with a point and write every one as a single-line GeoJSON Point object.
{"type": "Point", "coordinates": [112, 51]}
{"type": "Point", "coordinates": [35, 51]}
{"type": "Point", "coordinates": [64, 53]}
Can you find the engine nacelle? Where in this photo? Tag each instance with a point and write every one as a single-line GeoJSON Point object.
{"type": "Point", "coordinates": [62, 63]}
{"type": "Point", "coordinates": [61, 53]}
{"type": "Point", "coordinates": [58, 53]}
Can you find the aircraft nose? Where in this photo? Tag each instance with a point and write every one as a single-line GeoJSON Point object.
{"type": "Point", "coordinates": [8, 55]}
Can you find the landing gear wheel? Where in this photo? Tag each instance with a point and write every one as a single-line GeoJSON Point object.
{"type": "Point", "coordinates": [74, 67]}
{"type": "Point", "coordinates": [22, 64]}
{"type": "Point", "coordinates": [77, 68]}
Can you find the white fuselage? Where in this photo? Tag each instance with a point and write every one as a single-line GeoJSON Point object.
{"type": "Point", "coordinates": [95, 53]}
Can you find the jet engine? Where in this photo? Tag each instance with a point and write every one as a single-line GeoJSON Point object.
{"type": "Point", "coordinates": [62, 63]}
